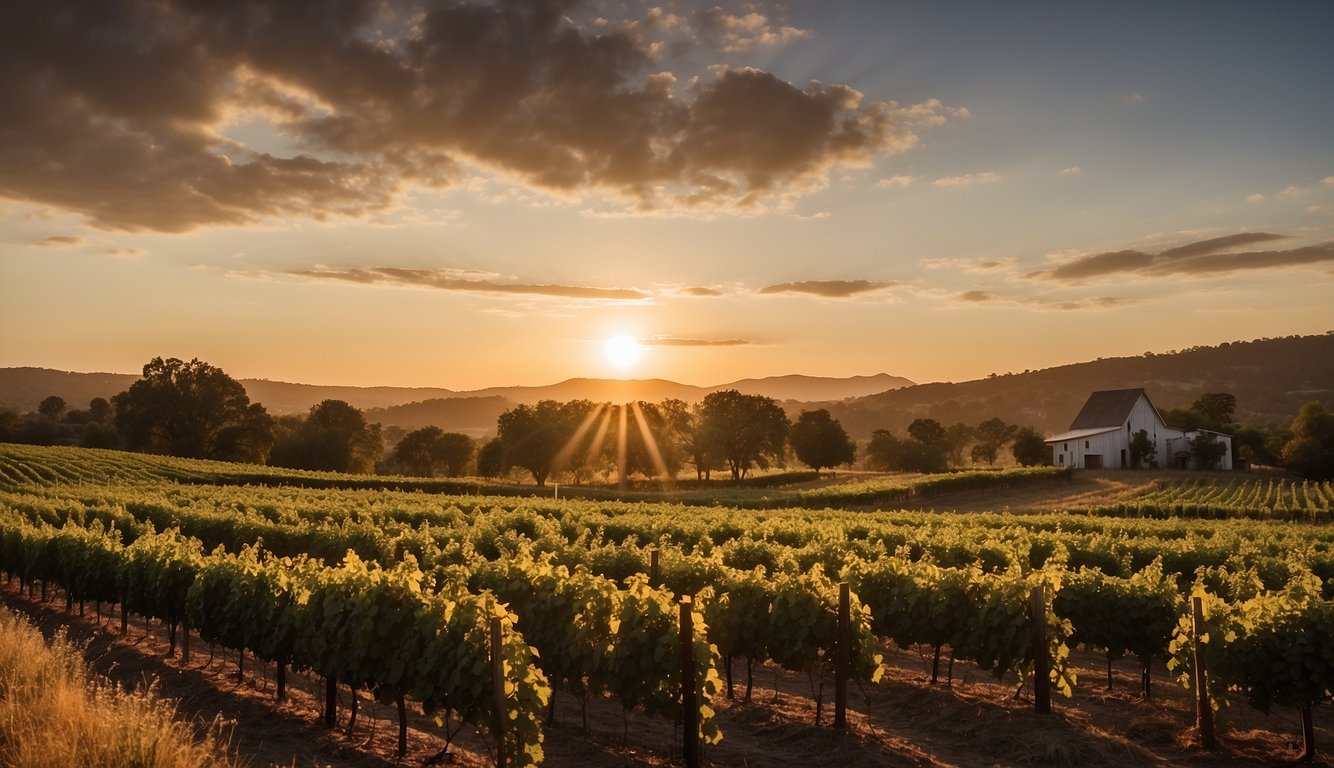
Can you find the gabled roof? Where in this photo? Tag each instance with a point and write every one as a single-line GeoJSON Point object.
{"type": "Point", "coordinates": [1079, 434]}
{"type": "Point", "coordinates": [1108, 408]}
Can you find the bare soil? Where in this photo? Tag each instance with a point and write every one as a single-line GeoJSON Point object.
{"type": "Point", "coordinates": [975, 720]}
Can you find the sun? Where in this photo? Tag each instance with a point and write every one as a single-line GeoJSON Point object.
{"type": "Point", "coordinates": [622, 350]}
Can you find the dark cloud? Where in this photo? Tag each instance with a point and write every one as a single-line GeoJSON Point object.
{"type": "Point", "coordinates": [120, 110]}
{"type": "Point", "coordinates": [1203, 258]}
{"type": "Point", "coordinates": [673, 341]}
{"type": "Point", "coordinates": [831, 289]}
{"type": "Point", "coordinates": [1217, 244]}
{"type": "Point", "coordinates": [58, 241]}
{"type": "Point", "coordinates": [465, 281]}
{"type": "Point", "coordinates": [1033, 302]}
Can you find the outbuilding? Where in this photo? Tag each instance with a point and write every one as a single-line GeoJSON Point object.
{"type": "Point", "coordinates": [1101, 434]}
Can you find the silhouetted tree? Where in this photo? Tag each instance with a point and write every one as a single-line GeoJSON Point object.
{"type": "Point", "coordinates": [820, 441]}
{"type": "Point", "coordinates": [1207, 450]}
{"type": "Point", "coordinates": [99, 410]}
{"type": "Point", "coordinates": [1183, 419]}
{"type": "Point", "coordinates": [532, 436]}
{"type": "Point", "coordinates": [52, 408]}
{"type": "Point", "coordinates": [1215, 410]}
{"type": "Point", "coordinates": [743, 430]}
{"type": "Point", "coordinates": [334, 437]}
{"type": "Point", "coordinates": [884, 451]}
{"type": "Point", "coordinates": [957, 437]}
{"type": "Point", "coordinates": [491, 459]}
{"type": "Point", "coordinates": [1029, 448]}
{"type": "Point", "coordinates": [1141, 448]}
{"type": "Point", "coordinates": [1310, 451]}
{"type": "Point", "coordinates": [194, 410]}
{"type": "Point", "coordinates": [992, 435]}
{"type": "Point", "coordinates": [426, 451]}
{"type": "Point", "coordinates": [927, 432]}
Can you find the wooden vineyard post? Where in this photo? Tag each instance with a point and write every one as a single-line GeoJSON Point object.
{"type": "Point", "coordinates": [1037, 611]}
{"type": "Point", "coordinates": [689, 707]}
{"type": "Point", "coordinates": [1204, 714]}
{"type": "Point", "coordinates": [1308, 733]}
{"type": "Point", "coordinates": [654, 570]}
{"type": "Point", "coordinates": [841, 657]}
{"type": "Point", "coordinates": [498, 682]}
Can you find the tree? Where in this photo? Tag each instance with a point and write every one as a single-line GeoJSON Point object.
{"type": "Point", "coordinates": [1141, 448]}
{"type": "Point", "coordinates": [491, 459]}
{"type": "Point", "coordinates": [99, 410]}
{"type": "Point", "coordinates": [52, 408]}
{"type": "Point", "coordinates": [334, 437]}
{"type": "Point", "coordinates": [1310, 451]}
{"type": "Point", "coordinates": [1207, 450]}
{"type": "Point", "coordinates": [957, 437]}
{"type": "Point", "coordinates": [533, 436]}
{"type": "Point", "coordinates": [743, 430]}
{"type": "Point", "coordinates": [927, 432]}
{"type": "Point", "coordinates": [1029, 448]}
{"type": "Point", "coordinates": [884, 452]}
{"type": "Point", "coordinates": [1215, 410]}
{"type": "Point", "coordinates": [1183, 418]}
{"type": "Point", "coordinates": [819, 441]}
{"type": "Point", "coordinates": [193, 410]}
{"type": "Point", "coordinates": [426, 451]}
{"type": "Point", "coordinates": [992, 435]}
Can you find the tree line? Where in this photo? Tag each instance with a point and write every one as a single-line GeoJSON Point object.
{"type": "Point", "coordinates": [195, 410]}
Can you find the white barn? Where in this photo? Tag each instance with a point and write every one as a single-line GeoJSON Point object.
{"type": "Point", "coordinates": [1099, 437]}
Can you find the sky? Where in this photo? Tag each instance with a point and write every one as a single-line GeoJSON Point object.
{"type": "Point", "coordinates": [472, 194]}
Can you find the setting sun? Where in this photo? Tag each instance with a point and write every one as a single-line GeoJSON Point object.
{"type": "Point", "coordinates": [622, 350]}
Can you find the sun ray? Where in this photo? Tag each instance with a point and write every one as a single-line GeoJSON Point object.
{"type": "Point", "coordinates": [650, 443]}
{"type": "Point", "coordinates": [621, 479]}
{"type": "Point", "coordinates": [571, 445]}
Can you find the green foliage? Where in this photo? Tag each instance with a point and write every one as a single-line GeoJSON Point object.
{"type": "Point", "coordinates": [430, 450]}
{"type": "Point", "coordinates": [1310, 451]}
{"type": "Point", "coordinates": [1142, 448]}
{"type": "Point", "coordinates": [745, 431]}
{"type": "Point", "coordinates": [194, 410]}
{"type": "Point", "coordinates": [334, 437]}
{"type": "Point", "coordinates": [1030, 449]}
{"type": "Point", "coordinates": [819, 441]}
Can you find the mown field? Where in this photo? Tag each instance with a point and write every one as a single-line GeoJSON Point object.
{"type": "Point", "coordinates": [324, 590]}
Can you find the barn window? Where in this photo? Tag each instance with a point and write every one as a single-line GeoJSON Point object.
{"type": "Point", "coordinates": [1065, 447]}
{"type": "Point", "coordinates": [1060, 459]}
{"type": "Point", "coordinates": [1086, 445]}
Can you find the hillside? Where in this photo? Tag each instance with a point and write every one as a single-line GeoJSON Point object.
{"type": "Point", "coordinates": [1271, 379]}
{"type": "Point", "coordinates": [23, 388]}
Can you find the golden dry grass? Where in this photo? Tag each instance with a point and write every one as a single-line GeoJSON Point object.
{"type": "Point", "coordinates": [55, 714]}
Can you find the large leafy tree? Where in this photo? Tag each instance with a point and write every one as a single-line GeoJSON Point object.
{"type": "Point", "coordinates": [1030, 449]}
{"type": "Point", "coordinates": [1215, 410]}
{"type": "Point", "coordinates": [1207, 449]}
{"type": "Point", "coordinates": [194, 410]}
{"type": "Point", "coordinates": [334, 437]}
{"type": "Point", "coordinates": [743, 430]}
{"type": "Point", "coordinates": [992, 435]}
{"type": "Point", "coordinates": [431, 450]}
{"type": "Point", "coordinates": [1142, 448]}
{"type": "Point", "coordinates": [533, 436]}
{"type": "Point", "coordinates": [1310, 452]}
{"type": "Point", "coordinates": [819, 440]}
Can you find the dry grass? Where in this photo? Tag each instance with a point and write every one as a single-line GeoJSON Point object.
{"type": "Point", "coordinates": [54, 713]}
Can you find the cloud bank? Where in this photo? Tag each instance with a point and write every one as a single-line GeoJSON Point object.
{"type": "Point", "coordinates": [674, 341]}
{"type": "Point", "coordinates": [1215, 256]}
{"type": "Point", "coordinates": [465, 281]}
{"type": "Point", "coordinates": [829, 289]}
{"type": "Point", "coordinates": [124, 110]}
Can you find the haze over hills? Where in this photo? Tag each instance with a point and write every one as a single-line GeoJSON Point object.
{"type": "Point", "coordinates": [23, 388]}
{"type": "Point", "coordinates": [1271, 379]}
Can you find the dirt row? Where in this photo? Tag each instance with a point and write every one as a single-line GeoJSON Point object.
{"type": "Point", "coordinates": [973, 720]}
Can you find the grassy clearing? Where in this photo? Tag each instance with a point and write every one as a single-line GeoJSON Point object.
{"type": "Point", "coordinates": [54, 713]}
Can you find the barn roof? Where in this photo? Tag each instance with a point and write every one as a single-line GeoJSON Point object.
{"type": "Point", "coordinates": [1080, 434]}
{"type": "Point", "coordinates": [1108, 408]}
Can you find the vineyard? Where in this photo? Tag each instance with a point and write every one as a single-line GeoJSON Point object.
{"type": "Point", "coordinates": [477, 608]}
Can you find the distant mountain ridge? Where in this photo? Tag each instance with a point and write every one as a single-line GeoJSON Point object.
{"type": "Point", "coordinates": [23, 388]}
{"type": "Point", "coordinates": [1271, 379]}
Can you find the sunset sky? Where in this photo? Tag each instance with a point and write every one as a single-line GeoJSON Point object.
{"type": "Point", "coordinates": [469, 194]}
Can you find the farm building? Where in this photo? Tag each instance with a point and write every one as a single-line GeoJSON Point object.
{"type": "Point", "coordinates": [1101, 434]}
